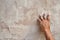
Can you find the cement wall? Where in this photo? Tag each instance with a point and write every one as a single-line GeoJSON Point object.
{"type": "Point", "coordinates": [18, 19]}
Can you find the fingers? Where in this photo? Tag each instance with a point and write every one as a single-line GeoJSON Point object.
{"type": "Point", "coordinates": [48, 17]}
{"type": "Point", "coordinates": [39, 21]}
{"type": "Point", "coordinates": [41, 18]}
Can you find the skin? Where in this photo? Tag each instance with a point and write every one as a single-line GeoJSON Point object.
{"type": "Point", "coordinates": [44, 24]}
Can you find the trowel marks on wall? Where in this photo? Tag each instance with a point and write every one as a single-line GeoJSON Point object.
{"type": "Point", "coordinates": [18, 19]}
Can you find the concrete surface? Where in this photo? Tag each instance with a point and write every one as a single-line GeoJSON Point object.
{"type": "Point", "coordinates": [18, 19]}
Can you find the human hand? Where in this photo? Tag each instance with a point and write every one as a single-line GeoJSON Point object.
{"type": "Point", "coordinates": [44, 23]}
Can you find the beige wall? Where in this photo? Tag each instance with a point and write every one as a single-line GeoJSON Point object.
{"type": "Point", "coordinates": [18, 19]}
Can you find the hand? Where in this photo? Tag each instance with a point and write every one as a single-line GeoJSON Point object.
{"type": "Point", "coordinates": [44, 23]}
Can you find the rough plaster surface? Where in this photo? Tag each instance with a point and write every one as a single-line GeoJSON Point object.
{"type": "Point", "coordinates": [18, 19]}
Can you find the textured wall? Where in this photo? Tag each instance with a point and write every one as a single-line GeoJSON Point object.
{"type": "Point", "coordinates": [18, 19]}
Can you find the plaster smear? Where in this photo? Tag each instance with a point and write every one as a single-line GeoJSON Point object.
{"type": "Point", "coordinates": [18, 19]}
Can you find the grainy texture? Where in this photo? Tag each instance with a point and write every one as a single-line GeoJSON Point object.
{"type": "Point", "coordinates": [18, 19]}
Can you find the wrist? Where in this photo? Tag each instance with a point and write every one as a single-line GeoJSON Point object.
{"type": "Point", "coordinates": [47, 30]}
